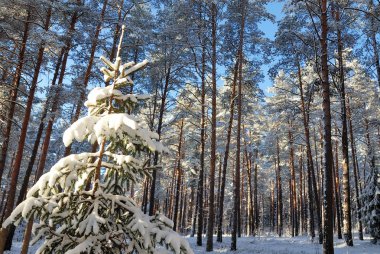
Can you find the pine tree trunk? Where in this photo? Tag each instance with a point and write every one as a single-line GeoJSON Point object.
{"type": "Point", "coordinates": [192, 211]}
{"type": "Point", "coordinates": [170, 191]}
{"type": "Point", "coordinates": [302, 205]}
{"type": "Point", "coordinates": [337, 194]}
{"type": "Point", "coordinates": [241, 195]}
{"type": "Point", "coordinates": [310, 164]}
{"type": "Point", "coordinates": [347, 228]}
{"type": "Point", "coordinates": [236, 211]}
{"type": "Point", "coordinates": [328, 242]}
{"type": "Point", "coordinates": [152, 198]}
{"type": "Point", "coordinates": [200, 202]}
{"type": "Point", "coordinates": [356, 170]}
{"type": "Point", "coordinates": [226, 153]}
{"type": "Point", "coordinates": [317, 187]}
{"type": "Point", "coordinates": [211, 213]}
{"type": "Point", "coordinates": [250, 216]}
{"type": "Point", "coordinates": [272, 207]}
{"type": "Point", "coordinates": [337, 189]}
{"type": "Point", "coordinates": [279, 192]}
{"type": "Point", "coordinates": [255, 197]}
{"type": "Point", "coordinates": [292, 184]}
{"type": "Point", "coordinates": [179, 177]}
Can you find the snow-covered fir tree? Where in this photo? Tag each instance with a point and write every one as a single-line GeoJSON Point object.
{"type": "Point", "coordinates": [81, 205]}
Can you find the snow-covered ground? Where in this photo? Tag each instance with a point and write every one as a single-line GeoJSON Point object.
{"type": "Point", "coordinates": [269, 245]}
{"type": "Point", "coordinates": [285, 245]}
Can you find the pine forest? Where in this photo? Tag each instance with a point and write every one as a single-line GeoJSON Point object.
{"type": "Point", "coordinates": [190, 126]}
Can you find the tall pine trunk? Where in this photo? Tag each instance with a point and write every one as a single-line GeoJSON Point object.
{"type": "Point", "coordinates": [226, 153]}
{"type": "Point", "coordinates": [279, 192]}
{"type": "Point", "coordinates": [328, 241]}
{"type": "Point", "coordinates": [255, 196]}
{"type": "Point", "coordinates": [293, 189]}
{"type": "Point", "coordinates": [152, 197]}
{"type": "Point", "coordinates": [356, 172]}
{"type": "Point", "coordinates": [310, 163]}
{"type": "Point", "coordinates": [179, 178]}
{"type": "Point", "coordinates": [199, 210]}
{"type": "Point", "coordinates": [211, 213]}
{"type": "Point", "coordinates": [236, 211]}
{"type": "Point", "coordinates": [347, 228]}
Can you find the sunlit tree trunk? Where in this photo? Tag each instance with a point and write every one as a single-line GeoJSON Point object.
{"type": "Point", "coordinates": [179, 178]}
{"type": "Point", "coordinates": [293, 200]}
{"type": "Point", "coordinates": [202, 148]}
{"type": "Point", "coordinates": [356, 170]}
{"type": "Point", "coordinates": [279, 192]}
{"type": "Point", "coordinates": [328, 242]}
{"type": "Point", "coordinates": [347, 228]}
{"type": "Point", "coordinates": [152, 197]}
{"type": "Point", "coordinates": [226, 153]}
{"type": "Point", "coordinates": [236, 211]}
{"type": "Point", "coordinates": [310, 164]}
{"type": "Point", "coordinates": [211, 210]}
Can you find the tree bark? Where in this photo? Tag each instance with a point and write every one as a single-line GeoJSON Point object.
{"type": "Point", "coordinates": [328, 241]}
{"type": "Point", "coordinates": [236, 211]}
{"type": "Point", "coordinates": [179, 177]}
{"type": "Point", "coordinates": [255, 196]}
{"type": "Point", "coordinates": [302, 205]}
{"type": "Point", "coordinates": [310, 164]}
{"type": "Point", "coordinates": [211, 212]}
{"type": "Point", "coordinates": [356, 172]}
{"type": "Point", "coordinates": [279, 192]}
{"type": "Point", "coordinates": [347, 227]}
{"type": "Point", "coordinates": [202, 148]}
{"type": "Point", "coordinates": [152, 198]}
{"type": "Point", "coordinates": [337, 194]}
{"type": "Point", "coordinates": [250, 211]}
{"type": "Point", "coordinates": [226, 154]}
{"type": "Point", "coordinates": [293, 184]}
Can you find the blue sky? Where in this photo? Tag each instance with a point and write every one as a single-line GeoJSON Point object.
{"type": "Point", "coordinates": [270, 29]}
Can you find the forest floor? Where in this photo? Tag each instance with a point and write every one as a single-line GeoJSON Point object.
{"type": "Point", "coordinates": [270, 244]}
